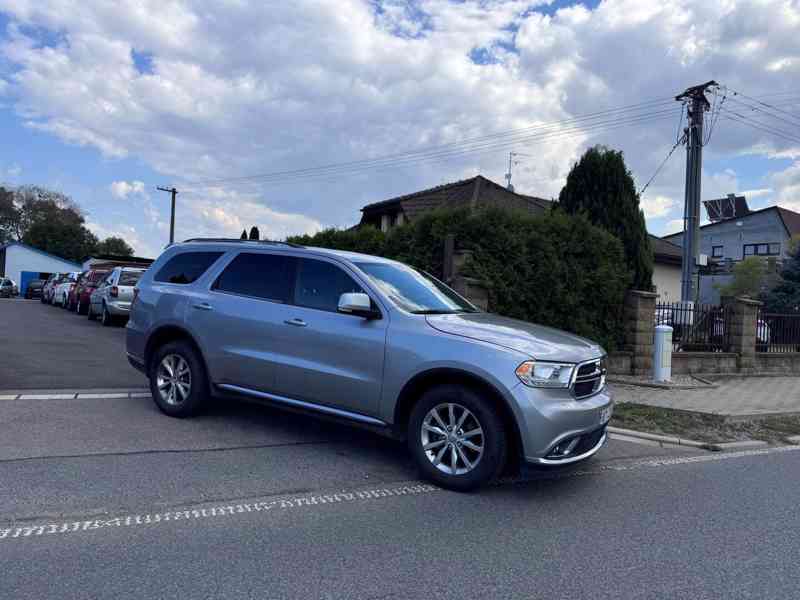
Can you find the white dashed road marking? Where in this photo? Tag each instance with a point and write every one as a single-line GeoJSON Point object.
{"type": "Point", "coordinates": [220, 510]}
{"type": "Point", "coordinates": [79, 395]}
{"type": "Point", "coordinates": [16, 531]}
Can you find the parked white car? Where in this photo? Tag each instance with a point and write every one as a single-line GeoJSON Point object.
{"type": "Point", "coordinates": [62, 289]}
{"type": "Point", "coordinates": [111, 301]}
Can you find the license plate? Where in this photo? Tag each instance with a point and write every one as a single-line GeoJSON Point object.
{"type": "Point", "coordinates": [605, 415]}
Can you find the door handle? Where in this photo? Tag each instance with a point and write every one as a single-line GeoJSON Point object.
{"type": "Point", "coordinates": [296, 322]}
{"type": "Point", "coordinates": [203, 306]}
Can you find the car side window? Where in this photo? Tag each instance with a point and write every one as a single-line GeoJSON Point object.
{"type": "Point", "coordinates": [186, 267]}
{"type": "Point", "coordinates": [267, 276]}
{"type": "Point", "coordinates": [320, 284]}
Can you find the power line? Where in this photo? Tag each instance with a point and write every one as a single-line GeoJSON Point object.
{"type": "Point", "coordinates": [509, 133]}
{"type": "Point", "coordinates": [761, 126]}
{"type": "Point", "coordinates": [663, 162]}
{"type": "Point", "coordinates": [752, 108]}
{"type": "Point", "coordinates": [430, 156]}
{"type": "Point", "coordinates": [443, 157]}
{"type": "Point", "coordinates": [762, 103]}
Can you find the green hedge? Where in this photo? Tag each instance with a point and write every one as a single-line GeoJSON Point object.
{"type": "Point", "coordinates": [554, 269]}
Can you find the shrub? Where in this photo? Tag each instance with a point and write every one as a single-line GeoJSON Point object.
{"type": "Point", "coordinates": [555, 269]}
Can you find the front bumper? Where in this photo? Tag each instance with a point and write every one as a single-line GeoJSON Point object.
{"type": "Point", "coordinates": [556, 429]}
{"type": "Point", "coordinates": [596, 440]}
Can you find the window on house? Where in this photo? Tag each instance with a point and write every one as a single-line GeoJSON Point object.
{"type": "Point", "coordinates": [762, 249]}
{"type": "Point", "coordinates": [717, 251]}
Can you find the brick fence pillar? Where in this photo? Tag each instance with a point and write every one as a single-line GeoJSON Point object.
{"type": "Point", "coordinates": [744, 315]}
{"type": "Point", "coordinates": [639, 316]}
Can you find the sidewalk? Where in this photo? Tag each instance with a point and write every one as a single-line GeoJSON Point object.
{"type": "Point", "coordinates": [735, 396]}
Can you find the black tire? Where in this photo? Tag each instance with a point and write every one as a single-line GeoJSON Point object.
{"type": "Point", "coordinates": [105, 317]}
{"type": "Point", "coordinates": [489, 464]}
{"type": "Point", "coordinates": [197, 396]}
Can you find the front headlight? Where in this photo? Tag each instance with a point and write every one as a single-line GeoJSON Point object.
{"type": "Point", "coordinates": [534, 373]}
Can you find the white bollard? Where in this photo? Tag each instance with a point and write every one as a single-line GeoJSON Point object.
{"type": "Point", "coordinates": [662, 354]}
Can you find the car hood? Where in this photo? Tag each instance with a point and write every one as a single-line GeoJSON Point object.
{"type": "Point", "coordinates": [537, 341]}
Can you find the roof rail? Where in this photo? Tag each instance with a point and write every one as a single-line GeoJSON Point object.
{"type": "Point", "coordinates": [239, 240]}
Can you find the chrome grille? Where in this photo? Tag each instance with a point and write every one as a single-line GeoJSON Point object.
{"type": "Point", "coordinates": [590, 378]}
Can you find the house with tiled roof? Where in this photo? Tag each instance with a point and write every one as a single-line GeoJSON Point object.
{"type": "Point", "coordinates": [476, 192]}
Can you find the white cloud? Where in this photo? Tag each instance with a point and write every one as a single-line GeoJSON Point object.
{"type": "Point", "coordinates": [656, 206]}
{"type": "Point", "coordinates": [140, 245]}
{"type": "Point", "coordinates": [223, 213]}
{"type": "Point", "coordinates": [238, 88]}
{"type": "Point", "coordinates": [121, 189]}
{"type": "Point", "coordinates": [757, 193]}
{"type": "Point", "coordinates": [787, 187]}
{"type": "Point", "coordinates": [672, 226]}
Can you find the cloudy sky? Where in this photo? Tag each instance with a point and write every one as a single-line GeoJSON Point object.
{"type": "Point", "coordinates": [262, 112]}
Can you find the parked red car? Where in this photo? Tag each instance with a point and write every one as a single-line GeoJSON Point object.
{"type": "Point", "coordinates": [79, 295]}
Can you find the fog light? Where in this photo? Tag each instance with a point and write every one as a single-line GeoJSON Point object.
{"type": "Point", "coordinates": [565, 448]}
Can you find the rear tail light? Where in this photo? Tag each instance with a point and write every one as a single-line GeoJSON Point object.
{"type": "Point", "coordinates": [114, 291]}
{"type": "Point", "coordinates": [71, 287]}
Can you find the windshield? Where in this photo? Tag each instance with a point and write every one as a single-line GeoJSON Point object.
{"type": "Point", "coordinates": [415, 291]}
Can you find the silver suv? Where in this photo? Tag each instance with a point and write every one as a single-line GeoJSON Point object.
{"type": "Point", "coordinates": [370, 341]}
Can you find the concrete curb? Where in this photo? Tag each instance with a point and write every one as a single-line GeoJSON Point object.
{"type": "Point", "coordinates": [664, 439]}
{"type": "Point", "coordinates": [74, 394]}
{"type": "Point", "coordinates": [740, 445]}
{"type": "Point", "coordinates": [663, 386]}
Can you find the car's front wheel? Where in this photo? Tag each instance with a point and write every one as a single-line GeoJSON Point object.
{"type": "Point", "coordinates": [457, 437]}
{"type": "Point", "coordinates": [178, 380]}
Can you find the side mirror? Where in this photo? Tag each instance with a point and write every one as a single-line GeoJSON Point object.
{"type": "Point", "coordinates": [357, 304]}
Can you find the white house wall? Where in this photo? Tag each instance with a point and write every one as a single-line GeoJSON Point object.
{"type": "Point", "coordinates": [19, 259]}
{"type": "Point", "coordinates": [667, 279]}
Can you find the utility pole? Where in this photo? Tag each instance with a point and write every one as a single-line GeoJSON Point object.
{"type": "Point", "coordinates": [174, 193]}
{"type": "Point", "coordinates": [697, 104]}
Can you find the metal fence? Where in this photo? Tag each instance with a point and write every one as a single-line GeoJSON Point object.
{"type": "Point", "coordinates": [696, 327]}
{"type": "Point", "coordinates": [778, 332]}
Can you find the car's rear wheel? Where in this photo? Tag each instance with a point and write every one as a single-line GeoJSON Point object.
{"type": "Point", "coordinates": [178, 380]}
{"type": "Point", "coordinates": [105, 317]}
{"type": "Point", "coordinates": [457, 437]}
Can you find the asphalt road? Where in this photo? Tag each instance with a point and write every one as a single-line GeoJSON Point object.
{"type": "Point", "coordinates": [104, 497]}
{"type": "Point", "coordinates": [46, 347]}
{"type": "Point", "coordinates": [107, 498]}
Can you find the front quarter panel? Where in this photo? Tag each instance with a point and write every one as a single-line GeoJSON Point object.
{"type": "Point", "coordinates": [414, 348]}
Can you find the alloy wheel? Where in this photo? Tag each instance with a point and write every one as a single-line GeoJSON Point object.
{"type": "Point", "coordinates": [174, 379]}
{"type": "Point", "coordinates": [452, 438]}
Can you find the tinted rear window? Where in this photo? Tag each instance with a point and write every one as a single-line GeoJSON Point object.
{"type": "Point", "coordinates": [129, 278]}
{"type": "Point", "coordinates": [268, 276]}
{"type": "Point", "coordinates": [186, 267]}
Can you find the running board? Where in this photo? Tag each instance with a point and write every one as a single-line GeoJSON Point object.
{"type": "Point", "coordinates": [302, 404]}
